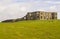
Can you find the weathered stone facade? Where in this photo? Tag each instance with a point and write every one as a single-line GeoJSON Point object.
{"type": "Point", "coordinates": [40, 15]}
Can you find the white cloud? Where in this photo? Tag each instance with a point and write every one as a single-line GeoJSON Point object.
{"type": "Point", "coordinates": [41, 9]}
{"type": "Point", "coordinates": [23, 8]}
{"type": "Point", "coordinates": [15, 10]}
{"type": "Point", "coordinates": [52, 2]}
{"type": "Point", "coordinates": [52, 8]}
{"type": "Point", "coordinates": [11, 9]}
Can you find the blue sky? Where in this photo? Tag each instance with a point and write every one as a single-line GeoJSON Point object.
{"type": "Point", "coordinates": [18, 8]}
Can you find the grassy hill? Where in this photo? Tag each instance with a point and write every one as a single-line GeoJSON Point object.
{"type": "Point", "coordinates": [37, 29]}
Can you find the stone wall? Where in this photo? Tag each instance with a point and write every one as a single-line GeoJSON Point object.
{"type": "Point", "coordinates": [41, 15]}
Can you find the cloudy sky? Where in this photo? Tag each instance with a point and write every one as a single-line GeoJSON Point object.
{"type": "Point", "coordinates": [18, 8]}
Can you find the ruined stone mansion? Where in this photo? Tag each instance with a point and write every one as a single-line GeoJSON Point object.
{"type": "Point", "coordinates": [40, 15]}
{"type": "Point", "coordinates": [37, 15]}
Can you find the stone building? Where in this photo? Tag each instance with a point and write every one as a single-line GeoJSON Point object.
{"type": "Point", "coordinates": [37, 15]}
{"type": "Point", "coordinates": [40, 15]}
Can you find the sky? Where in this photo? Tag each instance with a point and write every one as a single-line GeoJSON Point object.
{"type": "Point", "coordinates": [12, 9]}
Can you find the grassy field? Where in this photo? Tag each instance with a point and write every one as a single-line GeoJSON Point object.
{"type": "Point", "coordinates": [37, 29]}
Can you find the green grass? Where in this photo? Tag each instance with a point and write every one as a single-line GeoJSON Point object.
{"type": "Point", "coordinates": [36, 29]}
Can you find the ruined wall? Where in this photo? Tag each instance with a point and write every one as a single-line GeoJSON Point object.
{"type": "Point", "coordinates": [41, 15]}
